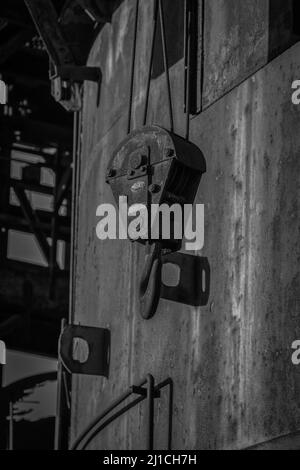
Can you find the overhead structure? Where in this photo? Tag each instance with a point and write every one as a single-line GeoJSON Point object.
{"type": "Point", "coordinates": [35, 190]}
{"type": "Point", "coordinates": [67, 69]}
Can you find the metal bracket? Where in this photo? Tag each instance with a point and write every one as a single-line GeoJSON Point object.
{"type": "Point", "coordinates": [98, 341]}
{"type": "Point", "coordinates": [147, 390]}
{"type": "Point", "coordinates": [65, 73]}
{"type": "Point", "coordinates": [143, 392]}
{"type": "Point", "coordinates": [76, 73]}
{"type": "Point", "coordinates": [66, 81]}
{"type": "Point", "coordinates": [194, 280]}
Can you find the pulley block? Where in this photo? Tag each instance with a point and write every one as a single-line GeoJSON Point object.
{"type": "Point", "coordinates": [153, 166]}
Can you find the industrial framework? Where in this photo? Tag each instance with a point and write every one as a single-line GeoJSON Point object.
{"type": "Point", "coordinates": [67, 72]}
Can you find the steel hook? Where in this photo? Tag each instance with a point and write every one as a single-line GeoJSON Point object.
{"type": "Point", "coordinates": [150, 284]}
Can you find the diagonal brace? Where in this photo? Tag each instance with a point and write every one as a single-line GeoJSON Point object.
{"type": "Point", "coordinates": [33, 222]}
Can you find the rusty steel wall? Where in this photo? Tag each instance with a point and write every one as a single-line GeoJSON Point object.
{"type": "Point", "coordinates": [240, 38]}
{"type": "Point", "coordinates": [234, 382]}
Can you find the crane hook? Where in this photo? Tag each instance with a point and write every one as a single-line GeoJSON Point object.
{"type": "Point", "coordinates": [150, 284]}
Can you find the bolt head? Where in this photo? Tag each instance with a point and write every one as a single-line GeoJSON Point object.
{"type": "Point", "coordinates": [154, 188]}
{"type": "Point", "coordinates": [170, 153]}
{"type": "Point", "coordinates": [111, 173]}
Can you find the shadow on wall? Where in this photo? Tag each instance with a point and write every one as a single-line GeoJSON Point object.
{"type": "Point", "coordinates": [186, 279]}
{"type": "Point", "coordinates": [174, 25]}
{"type": "Point", "coordinates": [284, 25]}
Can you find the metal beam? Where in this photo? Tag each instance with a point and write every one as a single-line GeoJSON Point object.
{"type": "Point", "coordinates": [43, 216]}
{"type": "Point", "coordinates": [54, 229]}
{"type": "Point", "coordinates": [4, 195]}
{"type": "Point", "coordinates": [33, 222]}
{"type": "Point", "coordinates": [15, 222]}
{"type": "Point", "coordinates": [39, 188]}
{"type": "Point", "coordinates": [63, 187]}
{"type": "Point", "coordinates": [46, 21]}
{"type": "Point", "coordinates": [48, 157]}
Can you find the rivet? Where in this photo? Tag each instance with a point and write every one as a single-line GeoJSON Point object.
{"type": "Point", "coordinates": [154, 188]}
{"type": "Point", "coordinates": [170, 153]}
